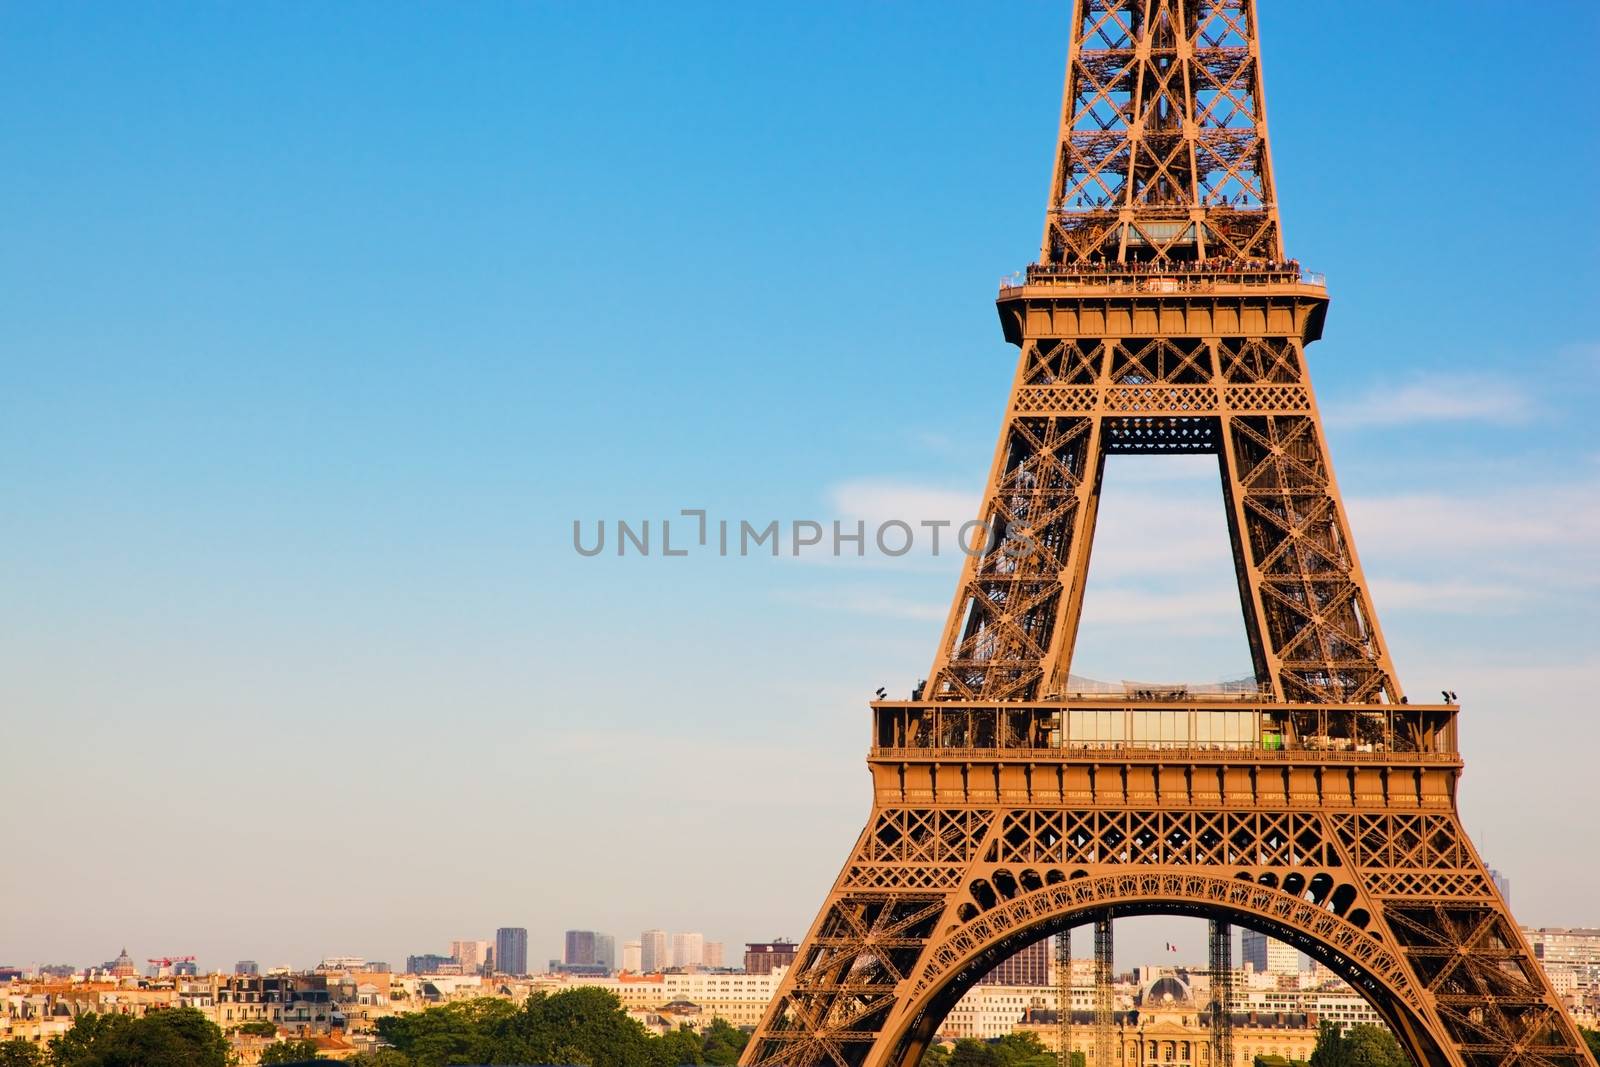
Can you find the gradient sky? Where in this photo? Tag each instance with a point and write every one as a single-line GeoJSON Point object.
{"type": "Point", "coordinates": [321, 324]}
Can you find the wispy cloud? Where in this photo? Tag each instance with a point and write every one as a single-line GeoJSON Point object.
{"type": "Point", "coordinates": [1496, 518]}
{"type": "Point", "coordinates": [1437, 398]}
{"type": "Point", "coordinates": [872, 603]}
{"type": "Point", "coordinates": [879, 501]}
{"type": "Point", "coordinates": [1450, 596]}
{"type": "Point", "coordinates": [1194, 611]}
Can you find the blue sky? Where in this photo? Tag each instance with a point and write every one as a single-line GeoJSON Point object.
{"type": "Point", "coordinates": [322, 325]}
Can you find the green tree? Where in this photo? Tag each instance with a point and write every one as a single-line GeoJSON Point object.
{"type": "Point", "coordinates": [677, 1048]}
{"type": "Point", "coordinates": [173, 1037]}
{"type": "Point", "coordinates": [583, 1026]}
{"type": "Point", "coordinates": [1023, 1050]}
{"type": "Point", "coordinates": [258, 1028]}
{"type": "Point", "coordinates": [383, 1057]}
{"type": "Point", "coordinates": [1592, 1039]}
{"type": "Point", "coordinates": [289, 1052]}
{"type": "Point", "coordinates": [455, 1033]}
{"type": "Point", "coordinates": [19, 1052]}
{"type": "Point", "coordinates": [723, 1043]}
{"type": "Point", "coordinates": [88, 1031]}
{"type": "Point", "coordinates": [1362, 1045]}
{"type": "Point", "coordinates": [935, 1056]}
{"type": "Point", "coordinates": [971, 1053]}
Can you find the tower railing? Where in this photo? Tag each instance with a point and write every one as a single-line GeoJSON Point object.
{"type": "Point", "coordinates": [1174, 728]}
{"type": "Point", "coordinates": [1164, 277]}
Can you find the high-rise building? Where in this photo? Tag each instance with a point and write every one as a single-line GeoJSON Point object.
{"type": "Point", "coordinates": [653, 951]}
{"type": "Point", "coordinates": [605, 951]}
{"type": "Point", "coordinates": [471, 954]}
{"type": "Point", "coordinates": [761, 958]}
{"type": "Point", "coordinates": [712, 957]}
{"type": "Point", "coordinates": [1501, 883]}
{"type": "Point", "coordinates": [688, 950]}
{"type": "Point", "coordinates": [1266, 955]}
{"type": "Point", "coordinates": [579, 948]}
{"type": "Point", "coordinates": [632, 957]}
{"type": "Point", "coordinates": [1030, 967]}
{"type": "Point", "coordinates": [511, 950]}
{"type": "Point", "coordinates": [247, 967]}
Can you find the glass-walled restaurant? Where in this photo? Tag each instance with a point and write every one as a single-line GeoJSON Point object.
{"type": "Point", "coordinates": [1354, 729]}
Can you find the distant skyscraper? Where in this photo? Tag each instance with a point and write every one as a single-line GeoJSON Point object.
{"type": "Point", "coordinates": [1031, 967]}
{"type": "Point", "coordinates": [1266, 955]}
{"type": "Point", "coordinates": [471, 954]}
{"type": "Point", "coordinates": [653, 951]}
{"type": "Point", "coordinates": [605, 951]}
{"type": "Point", "coordinates": [247, 967]}
{"type": "Point", "coordinates": [580, 948]}
{"type": "Point", "coordinates": [1501, 883]}
{"type": "Point", "coordinates": [632, 957]}
{"type": "Point", "coordinates": [713, 954]}
{"type": "Point", "coordinates": [511, 950]}
{"type": "Point", "coordinates": [688, 950]}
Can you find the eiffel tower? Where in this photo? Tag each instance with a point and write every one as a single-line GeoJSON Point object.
{"type": "Point", "coordinates": [1317, 804]}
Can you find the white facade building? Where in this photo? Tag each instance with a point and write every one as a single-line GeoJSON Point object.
{"type": "Point", "coordinates": [632, 957]}
{"type": "Point", "coordinates": [741, 999]}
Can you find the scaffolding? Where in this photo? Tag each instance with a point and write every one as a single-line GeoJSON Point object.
{"type": "Point", "coordinates": [1105, 1055]}
{"type": "Point", "coordinates": [1064, 998]}
{"type": "Point", "coordinates": [1221, 994]}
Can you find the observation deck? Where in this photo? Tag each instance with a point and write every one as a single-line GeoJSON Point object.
{"type": "Point", "coordinates": [1165, 728]}
{"type": "Point", "coordinates": [1201, 298]}
{"type": "Point", "coordinates": [1166, 750]}
{"type": "Point", "coordinates": [1084, 279]}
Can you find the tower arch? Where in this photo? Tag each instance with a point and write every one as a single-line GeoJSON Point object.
{"type": "Point", "coordinates": [970, 949]}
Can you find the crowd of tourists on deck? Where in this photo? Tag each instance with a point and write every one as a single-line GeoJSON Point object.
{"type": "Point", "coordinates": [1211, 266]}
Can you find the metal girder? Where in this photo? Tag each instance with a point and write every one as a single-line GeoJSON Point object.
{"type": "Point", "coordinates": [1320, 807]}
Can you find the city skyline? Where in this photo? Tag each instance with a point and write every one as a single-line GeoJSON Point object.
{"type": "Point", "coordinates": [291, 432]}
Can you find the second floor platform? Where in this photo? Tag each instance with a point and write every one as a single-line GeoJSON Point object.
{"type": "Point", "coordinates": [1165, 727]}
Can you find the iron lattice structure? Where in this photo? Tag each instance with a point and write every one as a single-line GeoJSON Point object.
{"type": "Point", "coordinates": [1315, 805]}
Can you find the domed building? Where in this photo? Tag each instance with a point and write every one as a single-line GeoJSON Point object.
{"type": "Point", "coordinates": [1169, 1025]}
{"type": "Point", "coordinates": [123, 966]}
